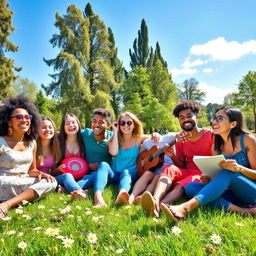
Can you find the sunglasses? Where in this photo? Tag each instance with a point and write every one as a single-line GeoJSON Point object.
{"type": "Point", "coordinates": [123, 123]}
{"type": "Point", "coordinates": [218, 119]}
{"type": "Point", "coordinates": [19, 117]}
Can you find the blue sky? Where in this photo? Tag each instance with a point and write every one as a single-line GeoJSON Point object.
{"type": "Point", "coordinates": [213, 41]}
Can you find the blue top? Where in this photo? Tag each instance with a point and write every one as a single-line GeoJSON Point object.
{"type": "Point", "coordinates": [125, 159]}
{"type": "Point", "coordinates": [241, 156]}
{"type": "Point", "coordinates": [95, 151]}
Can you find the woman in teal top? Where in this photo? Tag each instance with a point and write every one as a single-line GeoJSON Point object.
{"type": "Point", "coordinates": [124, 147]}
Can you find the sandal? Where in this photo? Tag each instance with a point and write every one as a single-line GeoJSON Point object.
{"type": "Point", "coordinates": [171, 215]}
{"type": "Point", "coordinates": [149, 205]}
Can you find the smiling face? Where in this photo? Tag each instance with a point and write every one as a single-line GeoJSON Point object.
{"type": "Point", "coordinates": [221, 123]}
{"type": "Point", "coordinates": [20, 121]}
{"type": "Point", "coordinates": [99, 125]}
{"type": "Point", "coordinates": [46, 130]}
{"type": "Point", "coordinates": [126, 124]}
{"type": "Point", "coordinates": [71, 126]}
{"type": "Point", "coordinates": [187, 119]}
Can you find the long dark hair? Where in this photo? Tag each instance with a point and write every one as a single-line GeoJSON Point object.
{"type": "Point", "coordinates": [234, 114]}
{"type": "Point", "coordinates": [7, 107]}
{"type": "Point", "coordinates": [63, 136]}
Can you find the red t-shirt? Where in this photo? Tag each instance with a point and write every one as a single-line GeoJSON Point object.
{"type": "Point", "coordinates": [202, 147]}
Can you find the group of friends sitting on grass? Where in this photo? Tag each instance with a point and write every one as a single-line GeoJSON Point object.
{"type": "Point", "coordinates": [31, 154]}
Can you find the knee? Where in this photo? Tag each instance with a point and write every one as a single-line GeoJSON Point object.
{"type": "Point", "coordinates": [103, 167]}
{"type": "Point", "coordinates": [67, 176]}
{"type": "Point", "coordinates": [148, 175]}
{"type": "Point", "coordinates": [193, 188]}
{"type": "Point", "coordinates": [52, 185]}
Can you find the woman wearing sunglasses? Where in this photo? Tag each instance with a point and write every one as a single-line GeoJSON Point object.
{"type": "Point", "coordinates": [124, 147]}
{"type": "Point", "coordinates": [236, 183]}
{"type": "Point", "coordinates": [19, 178]}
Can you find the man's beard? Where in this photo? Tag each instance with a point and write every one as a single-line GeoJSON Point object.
{"type": "Point", "coordinates": [189, 129]}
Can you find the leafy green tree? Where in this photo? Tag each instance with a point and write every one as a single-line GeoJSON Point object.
{"type": "Point", "coordinates": [22, 86]}
{"type": "Point", "coordinates": [246, 96]}
{"type": "Point", "coordinates": [41, 103]}
{"type": "Point", "coordinates": [83, 63]}
{"type": "Point", "coordinates": [118, 69]}
{"type": "Point", "coordinates": [141, 55]}
{"type": "Point", "coordinates": [7, 66]}
{"type": "Point", "coordinates": [229, 99]}
{"type": "Point", "coordinates": [211, 109]}
{"type": "Point", "coordinates": [189, 91]}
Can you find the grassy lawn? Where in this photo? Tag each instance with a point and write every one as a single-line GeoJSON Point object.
{"type": "Point", "coordinates": [121, 230]}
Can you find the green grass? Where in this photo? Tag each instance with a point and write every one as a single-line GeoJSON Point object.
{"type": "Point", "coordinates": [125, 228]}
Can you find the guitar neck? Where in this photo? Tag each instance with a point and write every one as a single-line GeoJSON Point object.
{"type": "Point", "coordinates": [160, 151]}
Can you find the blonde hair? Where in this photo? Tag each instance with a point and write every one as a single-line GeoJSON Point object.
{"type": "Point", "coordinates": [138, 127]}
{"type": "Point", "coordinates": [54, 145]}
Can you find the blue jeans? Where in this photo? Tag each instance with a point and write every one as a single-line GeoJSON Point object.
{"type": "Point", "coordinates": [87, 180]}
{"type": "Point", "coordinates": [67, 181]}
{"type": "Point", "coordinates": [105, 175]}
{"type": "Point", "coordinates": [227, 188]}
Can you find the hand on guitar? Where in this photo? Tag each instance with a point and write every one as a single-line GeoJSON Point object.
{"type": "Point", "coordinates": [168, 150]}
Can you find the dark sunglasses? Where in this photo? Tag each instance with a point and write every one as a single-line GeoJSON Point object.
{"type": "Point", "coordinates": [20, 117]}
{"type": "Point", "coordinates": [123, 123]}
{"type": "Point", "coordinates": [217, 119]}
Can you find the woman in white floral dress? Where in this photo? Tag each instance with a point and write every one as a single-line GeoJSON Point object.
{"type": "Point", "coordinates": [19, 178]}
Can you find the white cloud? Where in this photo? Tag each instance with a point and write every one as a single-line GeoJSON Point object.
{"type": "Point", "coordinates": [188, 64]}
{"type": "Point", "coordinates": [207, 70]}
{"type": "Point", "coordinates": [214, 94]}
{"type": "Point", "coordinates": [185, 71]}
{"type": "Point", "coordinates": [220, 49]}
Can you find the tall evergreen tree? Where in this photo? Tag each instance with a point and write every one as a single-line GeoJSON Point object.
{"type": "Point", "coordinates": [141, 55]}
{"type": "Point", "coordinates": [158, 56]}
{"type": "Point", "coordinates": [41, 103]}
{"type": "Point", "coordinates": [7, 66]}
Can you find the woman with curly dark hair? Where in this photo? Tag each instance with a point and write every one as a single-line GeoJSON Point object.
{"type": "Point", "coordinates": [19, 178]}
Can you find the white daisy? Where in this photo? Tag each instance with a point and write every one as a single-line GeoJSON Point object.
{"type": "Point", "coordinates": [239, 224]}
{"type": "Point", "coordinates": [37, 228]}
{"type": "Point", "coordinates": [92, 238]}
{"type": "Point", "coordinates": [19, 211]}
{"type": "Point", "coordinates": [216, 239]}
{"type": "Point", "coordinates": [88, 212]}
{"type": "Point", "coordinates": [24, 202]}
{"type": "Point", "coordinates": [67, 242]}
{"type": "Point", "coordinates": [78, 207]}
{"type": "Point", "coordinates": [27, 217]}
{"type": "Point", "coordinates": [119, 251]}
{"type": "Point", "coordinates": [176, 230]}
{"type": "Point", "coordinates": [41, 206]}
{"type": "Point", "coordinates": [52, 231]}
{"type": "Point", "coordinates": [10, 233]}
{"type": "Point", "coordinates": [7, 218]}
{"type": "Point", "coordinates": [22, 245]}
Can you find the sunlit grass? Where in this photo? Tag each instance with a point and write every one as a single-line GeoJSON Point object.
{"type": "Point", "coordinates": [58, 226]}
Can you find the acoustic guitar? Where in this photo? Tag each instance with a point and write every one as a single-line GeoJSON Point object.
{"type": "Point", "coordinates": [149, 159]}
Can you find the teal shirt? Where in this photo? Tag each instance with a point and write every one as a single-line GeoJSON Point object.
{"type": "Point", "coordinates": [96, 152]}
{"type": "Point", "coordinates": [126, 159]}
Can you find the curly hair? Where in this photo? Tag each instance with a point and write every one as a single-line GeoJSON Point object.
{"type": "Point", "coordinates": [186, 104]}
{"type": "Point", "coordinates": [8, 106]}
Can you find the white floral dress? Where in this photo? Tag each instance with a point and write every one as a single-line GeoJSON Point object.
{"type": "Point", "coordinates": [14, 178]}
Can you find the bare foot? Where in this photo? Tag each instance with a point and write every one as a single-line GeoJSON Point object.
{"type": "Point", "coordinates": [122, 198]}
{"type": "Point", "coordinates": [4, 208]}
{"type": "Point", "coordinates": [137, 200]}
{"type": "Point", "coordinates": [178, 210]}
{"type": "Point", "coordinates": [61, 189]}
{"type": "Point", "coordinates": [98, 200]}
{"type": "Point", "coordinates": [79, 194]}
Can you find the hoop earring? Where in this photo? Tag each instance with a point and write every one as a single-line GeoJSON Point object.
{"type": "Point", "coordinates": [10, 130]}
{"type": "Point", "coordinates": [29, 131]}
